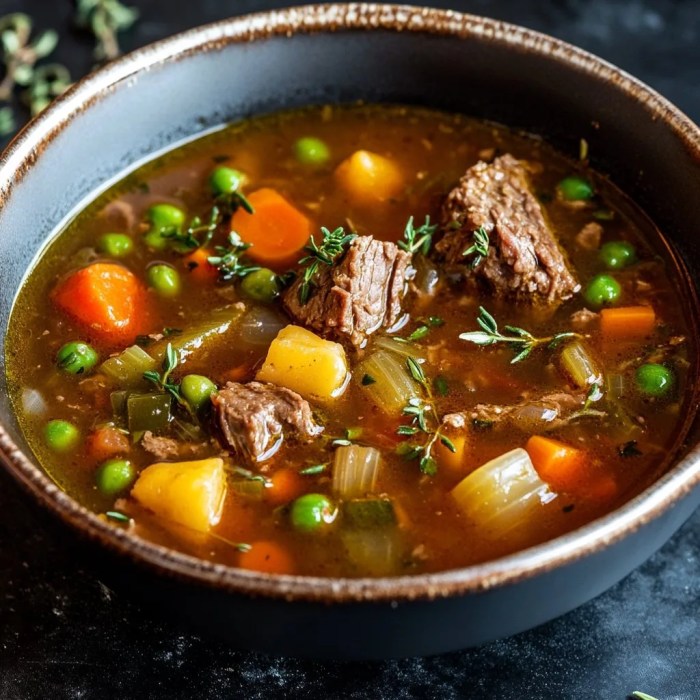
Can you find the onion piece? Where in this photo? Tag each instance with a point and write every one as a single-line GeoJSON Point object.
{"type": "Point", "coordinates": [385, 380]}
{"type": "Point", "coordinates": [33, 402]}
{"type": "Point", "coordinates": [399, 347]}
{"type": "Point", "coordinates": [355, 471]}
{"type": "Point", "coordinates": [260, 326]}
{"type": "Point", "coordinates": [504, 494]}
{"type": "Point", "coordinates": [579, 365]}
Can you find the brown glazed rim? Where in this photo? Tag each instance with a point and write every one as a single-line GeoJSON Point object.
{"type": "Point", "coordinates": [28, 146]}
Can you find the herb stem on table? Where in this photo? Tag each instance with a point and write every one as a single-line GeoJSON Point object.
{"type": "Point", "coordinates": [105, 19]}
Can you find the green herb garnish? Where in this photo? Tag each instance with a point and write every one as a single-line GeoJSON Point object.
{"type": "Point", "coordinates": [229, 258]}
{"type": "Point", "coordinates": [105, 19]}
{"type": "Point", "coordinates": [162, 380]}
{"type": "Point", "coordinates": [479, 248]}
{"type": "Point", "coordinates": [189, 240]}
{"type": "Point", "coordinates": [522, 342]}
{"type": "Point", "coordinates": [332, 246]}
{"type": "Point", "coordinates": [417, 240]}
{"type": "Point", "coordinates": [119, 517]}
{"type": "Point", "coordinates": [418, 334]}
{"type": "Point", "coordinates": [629, 449]}
{"type": "Point", "coordinates": [250, 476]}
{"type": "Point", "coordinates": [315, 469]}
{"type": "Point", "coordinates": [368, 379]}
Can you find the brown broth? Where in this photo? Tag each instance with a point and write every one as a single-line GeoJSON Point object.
{"type": "Point", "coordinates": [433, 149]}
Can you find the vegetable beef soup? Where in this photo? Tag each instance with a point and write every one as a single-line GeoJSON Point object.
{"type": "Point", "coordinates": [354, 341]}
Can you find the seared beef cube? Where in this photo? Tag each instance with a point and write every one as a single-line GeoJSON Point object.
{"type": "Point", "coordinates": [357, 295]}
{"type": "Point", "coordinates": [524, 260]}
{"type": "Point", "coordinates": [252, 419]}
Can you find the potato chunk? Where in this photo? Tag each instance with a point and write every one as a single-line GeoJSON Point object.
{"type": "Point", "coordinates": [369, 178]}
{"type": "Point", "coordinates": [301, 361]}
{"type": "Point", "coordinates": [188, 493]}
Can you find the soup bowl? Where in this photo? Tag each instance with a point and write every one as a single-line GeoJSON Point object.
{"type": "Point", "coordinates": [176, 89]}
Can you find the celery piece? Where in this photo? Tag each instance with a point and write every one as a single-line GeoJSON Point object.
{"type": "Point", "coordinates": [392, 386]}
{"type": "Point", "coordinates": [375, 552]}
{"type": "Point", "coordinates": [248, 488]}
{"type": "Point", "coordinates": [126, 369]}
{"type": "Point", "coordinates": [355, 471]}
{"type": "Point", "coordinates": [369, 513]}
{"type": "Point", "coordinates": [148, 412]}
{"type": "Point", "coordinates": [579, 365]}
{"type": "Point", "coordinates": [118, 401]}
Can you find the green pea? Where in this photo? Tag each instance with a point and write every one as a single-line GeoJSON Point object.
{"type": "Point", "coordinates": [117, 245]}
{"type": "Point", "coordinates": [114, 476]}
{"type": "Point", "coordinates": [164, 279]}
{"type": "Point", "coordinates": [311, 151]}
{"type": "Point", "coordinates": [260, 285]}
{"type": "Point", "coordinates": [166, 216]}
{"type": "Point", "coordinates": [312, 512]}
{"type": "Point", "coordinates": [654, 379]}
{"type": "Point", "coordinates": [226, 180]}
{"type": "Point", "coordinates": [61, 436]}
{"type": "Point", "coordinates": [617, 254]}
{"type": "Point", "coordinates": [154, 240]}
{"type": "Point", "coordinates": [602, 290]}
{"type": "Point", "coordinates": [197, 390]}
{"type": "Point", "coordinates": [76, 357]}
{"type": "Point", "coordinates": [575, 188]}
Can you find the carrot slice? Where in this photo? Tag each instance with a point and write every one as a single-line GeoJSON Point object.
{"type": "Point", "coordinates": [285, 485]}
{"type": "Point", "coordinates": [627, 322]}
{"type": "Point", "coordinates": [557, 463]}
{"type": "Point", "coordinates": [104, 443]}
{"type": "Point", "coordinates": [276, 231]}
{"type": "Point", "coordinates": [268, 557]}
{"type": "Point", "coordinates": [199, 268]}
{"type": "Point", "coordinates": [105, 298]}
{"type": "Point", "coordinates": [453, 461]}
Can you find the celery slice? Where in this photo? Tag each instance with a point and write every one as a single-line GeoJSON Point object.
{"type": "Point", "coordinates": [148, 412]}
{"type": "Point", "coordinates": [355, 471]}
{"type": "Point", "coordinates": [392, 386]}
{"type": "Point", "coordinates": [369, 513]}
{"type": "Point", "coordinates": [579, 365]}
{"type": "Point", "coordinates": [126, 369]}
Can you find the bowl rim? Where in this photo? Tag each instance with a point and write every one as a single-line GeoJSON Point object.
{"type": "Point", "coordinates": [26, 147]}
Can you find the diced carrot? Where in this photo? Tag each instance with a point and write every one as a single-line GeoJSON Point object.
{"type": "Point", "coordinates": [558, 464]}
{"type": "Point", "coordinates": [454, 461]}
{"type": "Point", "coordinates": [199, 268]}
{"type": "Point", "coordinates": [627, 322]}
{"type": "Point", "coordinates": [602, 488]}
{"type": "Point", "coordinates": [268, 557]}
{"type": "Point", "coordinates": [369, 178]}
{"type": "Point", "coordinates": [103, 443]}
{"type": "Point", "coordinates": [285, 485]}
{"type": "Point", "coordinates": [276, 231]}
{"type": "Point", "coordinates": [107, 299]}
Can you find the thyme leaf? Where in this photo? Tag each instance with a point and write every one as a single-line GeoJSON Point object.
{"type": "Point", "coordinates": [479, 248]}
{"type": "Point", "coordinates": [104, 19]}
{"type": "Point", "coordinates": [417, 240]}
{"type": "Point", "coordinates": [228, 259]}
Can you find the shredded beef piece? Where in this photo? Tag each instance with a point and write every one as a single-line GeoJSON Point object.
{"type": "Point", "coordinates": [357, 295]}
{"type": "Point", "coordinates": [589, 236]}
{"type": "Point", "coordinates": [582, 319]}
{"type": "Point", "coordinates": [545, 412]}
{"type": "Point", "coordinates": [163, 448]}
{"type": "Point", "coordinates": [252, 419]}
{"type": "Point", "coordinates": [524, 260]}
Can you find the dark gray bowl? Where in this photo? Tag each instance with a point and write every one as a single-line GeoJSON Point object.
{"type": "Point", "coordinates": [175, 89]}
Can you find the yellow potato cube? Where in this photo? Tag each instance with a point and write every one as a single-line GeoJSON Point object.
{"type": "Point", "coordinates": [369, 178]}
{"type": "Point", "coordinates": [189, 493]}
{"type": "Point", "coordinates": [301, 361]}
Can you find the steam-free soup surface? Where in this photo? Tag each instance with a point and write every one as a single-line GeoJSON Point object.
{"type": "Point", "coordinates": [313, 409]}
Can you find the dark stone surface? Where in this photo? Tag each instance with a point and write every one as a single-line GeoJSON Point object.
{"type": "Point", "coordinates": [64, 635]}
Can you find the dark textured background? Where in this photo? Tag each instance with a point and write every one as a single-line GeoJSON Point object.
{"type": "Point", "coordinates": [64, 635]}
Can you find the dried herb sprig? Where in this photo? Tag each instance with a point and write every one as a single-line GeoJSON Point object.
{"type": "Point", "coordinates": [333, 245]}
{"type": "Point", "coordinates": [522, 342]}
{"type": "Point", "coordinates": [105, 19]}
{"type": "Point", "coordinates": [419, 239]}
{"type": "Point", "coordinates": [479, 248]}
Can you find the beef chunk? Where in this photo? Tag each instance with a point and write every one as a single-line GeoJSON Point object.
{"type": "Point", "coordinates": [252, 419]}
{"type": "Point", "coordinates": [589, 236]}
{"type": "Point", "coordinates": [524, 261]}
{"type": "Point", "coordinates": [164, 448]}
{"type": "Point", "coordinates": [357, 295]}
{"type": "Point", "coordinates": [532, 414]}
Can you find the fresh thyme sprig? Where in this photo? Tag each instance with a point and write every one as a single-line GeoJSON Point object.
{"type": "Point", "coordinates": [522, 342]}
{"type": "Point", "coordinates": [105, 19]}
{"type": "Point", "coordinates": [188, 240]}
{"type": "Point", "coordinates": [418, 239]}
{"type": "Point", "coordinates": [162, 381]}
{"type": "Point", "coordinates": [424, 421]}
{"type": "Point", "coordinates": [48, 82]}
{"type": "Point", "coordinates": [229, 260]}
{"type": "Point", "coordinates": [332, 246]}
{"type": "Point", "coordinates": [479, 248]}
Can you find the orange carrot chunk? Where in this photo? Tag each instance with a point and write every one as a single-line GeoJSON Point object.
{"type": "Point", "coordinates": [199, 268]}
{"type": "Point", "coordinates": [268, 557]}
{"type": "Point", "coordinates": [276, 231]}
{"type": "Point", "coordinates": [106, 442]}
{"type": "Point", "coordinates": [285, 485]}
{"type": "Point", "coordinates": [105, 298]}
{"type": "Point", "coordinates": [627, 322]}
{"type": "Point", "coordinates": [557, 463]}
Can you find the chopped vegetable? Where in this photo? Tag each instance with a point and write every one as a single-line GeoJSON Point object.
{"type": "Point", "coordinates": [375, 552]}
{"type": "Point", "coordinates": [452, 459]}
{"type": "Point", "coordinates": [559, 464]}
{"type": "Point", "coordinates": [115, 476]}
{"type": "Point", "coordinates": [197, 390]}
{"type": "Point", "coordinates": [105, 442]}
{"type": "Point", "coordinates": [117, 245]}
{"type": "Point", "coordinates": [503, 495]}
{"type": "Point", "coordinates": [199, 268]}
{"type": "Point", "coordinates": [579, 365]}
{"type": "Point", "coordinates": [369, 178]}
{"type": "Point", "coordinates": [399, 346]}
{"type": "Point", "coordinates": [284, 486]}
{"type": "Point", "coordinates": [392, 387]}
{"type": "Point", "coordinates": [618, 254]}
{"type": "Point", "coordinates": [654, 379]}
{"type": "Point", "coordinates": [312, 512]}
{"type": "Point", "coordinates": [128, 367]}
{"type": "Point", "coordinates": [189, 493]}
{"type": "Point", "coordinates": [76, 357]}
{"type": "Point", "coordinates": [369, 513]}
{"type": "Point", "coordinates": [355, 471]}
{"type": "Point", "coordinates": [268, 557]}
{"type": "Point", "coordinates": [61, 436]}
{"type": "Point", "coordinates": [276, 232]}
{"type": "Point", "coordinates": [105, 298]}
{"type": "Point", "coordinates": [310, 150]}
{"type": "Point", "coordinates": [148, 412]}
{"type": "Point", "coordinates": [299, 360]}
{"type": "Point", "coordinates": [164, 279]}
{"type": "Point", "coordinates": [626, 322]}
{"type": "Point", "coordinates": [261, 285]}
{"type": "Point", "coordinates": [575, 188]}
{"type": "Point", "coordinates": [602, 290]}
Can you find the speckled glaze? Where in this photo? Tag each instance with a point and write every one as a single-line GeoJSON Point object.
{"type": "Point", "coordinates": [110, 121]}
